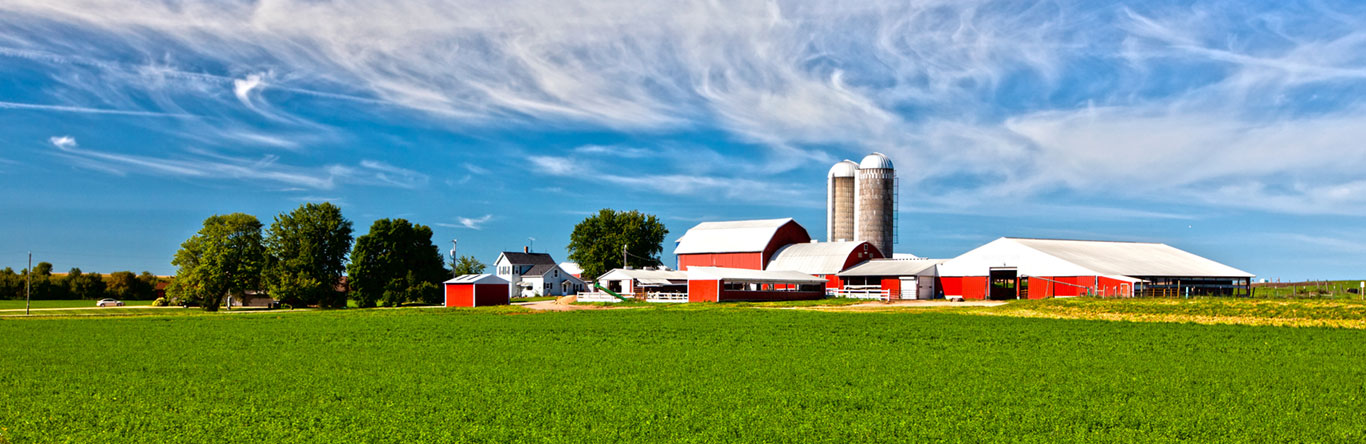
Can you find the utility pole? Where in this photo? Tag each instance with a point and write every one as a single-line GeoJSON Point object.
{"type": "Point", "coordinates": [623, 257]}
{"type": "Point", "coordinates": [28, 284]}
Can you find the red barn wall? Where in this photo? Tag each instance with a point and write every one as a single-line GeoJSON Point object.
{"type": "Point", "coordinates": [892, 284]}
{"type": "Point", "coordinates": [459, 295]}
{"type": "Point", "coordinates": [492, 294]}
{"type": "Point", "coordinates": [749, 261]}
{"type": "Point", "coordinates": [703, 291]}
{"type": "Point", "coordinates": [727, 295]}
{"type": "Point", "coordinates": [966, 287]}
{"type": "Point", "coordinates": [788, 234]}
{"type": "Point", "coordinates": [465, 295]}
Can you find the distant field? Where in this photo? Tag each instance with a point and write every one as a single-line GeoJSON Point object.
{"type": "Point", "coordinates": [1323, 289]}
{"type": "Point", "coordinates": [1325, 313]}
{"type": "Point", "coordinates": [693, 373]}
{"type": "Point", "coordinates": [11, 303]}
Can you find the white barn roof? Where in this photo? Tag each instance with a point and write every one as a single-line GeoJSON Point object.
{"type": "Point", "coordinates": [751, 276]}
{"type": "Point", "coordinates": [477, 279]}
{"type": "Point", "coordinates": [659, 277]}
{"type": "Point", "coordinates": [1050, 257]}
{"type": "Point", "coordinates": [814, 258]}
{"type": "Point", "coordinates": [741, 236]}
{"type": "Point", "coordinates": [894, 267]}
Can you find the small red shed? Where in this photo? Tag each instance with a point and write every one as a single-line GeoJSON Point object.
{"type": "Point", "coordinates": [476, 290]}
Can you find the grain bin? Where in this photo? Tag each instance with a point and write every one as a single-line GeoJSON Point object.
{"type": "Point", "coordinates": [839, 203]}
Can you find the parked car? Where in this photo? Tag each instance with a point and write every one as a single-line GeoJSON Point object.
{"type": "Point", "coordinates": [109, 302]}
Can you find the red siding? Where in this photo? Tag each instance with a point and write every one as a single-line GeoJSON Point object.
{"type": "Point", "coordinates": [966, 287]}
{"type": "Point", "coordinates": [1040, 287]}
{"type": "Point", "coordinates": [788, 234]}
{"type": "Point", "coordinates": [770, 295]}
{"type": "Point", "coordinates": [858, 256]}
{"type": "Point", "coordinates": [893, 286]}
{"type": "Point", "coordinates": [465, 295]}
{"type": "Point", "coordinates": [833, 281]}
{"type": "Point", "coordinates": [703, 291]}
{"type": "Point", "coordinates": [712, 291]}
{"type": "Point", "coordinates": [749, 261]}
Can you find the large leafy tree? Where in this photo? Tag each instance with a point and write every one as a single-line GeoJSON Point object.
{"type": "Point", "coordinates": [396, 262]}
{"type": "Point", "coordinates": [306, 250]}
{"type": "Point", "coordinates": [226, 258]}
{"type": "Point", "coordinates": [597, 241]}
{"type": "Point", "coordinates": [467, 265]}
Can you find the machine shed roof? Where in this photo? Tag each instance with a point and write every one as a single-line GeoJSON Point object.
{"type": "Point", "coordinates": [1132, 258]}
{"type": "Point", "coordinates": [894, 267]}
{"type": "Point", "coordinates": [477, 279]}
{"type": "Point", "coordinates": [1053, 257]}
{"type": "Point", "coordinates": [739, 236]}
{"type": "Point", "coordinates": [751, 276]}
{"type": "Point", "coordinates": [815, 258]}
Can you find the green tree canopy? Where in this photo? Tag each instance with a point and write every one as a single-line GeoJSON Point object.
{"type": "Point", "coordinates": [395, 262]}
{"type": "Point", "coordinates": [596, 241]}
{"type": "Point", "coordinates": [467, 265]}
{"type": "Point", "coordinates": [306, 249]}
{"type": "Point", "coordinates": [226, 258]}
{"type": "Point", "coordinates": [124, 285]}
{"type": "Point", "coordinates": [85, 285]}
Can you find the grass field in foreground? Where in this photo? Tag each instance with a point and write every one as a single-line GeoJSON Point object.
{"type": "Point", "coordinates": [6, 304]}
{"type": "Point", "coordinates": [702, 373]}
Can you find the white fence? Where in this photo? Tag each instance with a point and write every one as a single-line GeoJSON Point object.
{"type": "Point", "coordinates": [596, 296]}
{"type": "Point", "coordinates": [666, 297]}
{"type": "Point", "coordinates": [859, 293]}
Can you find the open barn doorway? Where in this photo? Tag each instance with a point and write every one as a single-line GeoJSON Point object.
{"type": "Point", "coordinates": [1003, 284]}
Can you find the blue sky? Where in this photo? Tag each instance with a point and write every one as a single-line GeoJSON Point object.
{"type": "Point", "coordinates": [1235, 130]}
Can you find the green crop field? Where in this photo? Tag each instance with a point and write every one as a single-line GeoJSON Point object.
{"type": "Point", "coordinates": [694, 372]}
{"type": "Point", "coordinates": [10, 304]}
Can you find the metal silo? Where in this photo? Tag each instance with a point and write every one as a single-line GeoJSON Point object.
{"type": "Point", "coordinates": [875, 204]}
{"type": "Point", "coordinates": [839, 202]}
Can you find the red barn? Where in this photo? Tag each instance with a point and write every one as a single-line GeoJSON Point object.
{"type": "Point", "coordinates": [716, 284]}
{"type": "Point", "coordinates": [476, 290]}
{"type": "Point", "coordinates": [823, 259]}
{"type": "Point", "coordinates": [1011, 268]}
{"type": "Point", "coordinates": [748, 244]}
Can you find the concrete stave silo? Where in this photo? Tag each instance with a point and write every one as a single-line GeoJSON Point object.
{"type": "Point", "coordinates": [875, 202]}
{"type": "Point", "coordinates": [839, 205]}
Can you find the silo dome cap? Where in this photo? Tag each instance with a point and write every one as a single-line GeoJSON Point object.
{"type": "Point", "coordinates": [875, 161]}
{"type": "Point", "coordinates": [846, 168]}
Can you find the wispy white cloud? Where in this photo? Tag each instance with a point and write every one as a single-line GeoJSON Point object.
{"type": "Point", "coordinates": [86, 110]}
{"type": "Point", "coordinates": [695, 185]}
{"type": "Point", "coordinates": [974, 98]}
{"type": "Point", "coordinates": [205, 164]}
{"type": "Point", "coordinates": [475, 223]}
{"type": "Point", "coordinates": [63, 142]}
{"type": "Point", "coordinates": [399, 177]}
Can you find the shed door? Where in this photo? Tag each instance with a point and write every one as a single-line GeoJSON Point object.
{"type": "Point", "coordinates": [909, 288]}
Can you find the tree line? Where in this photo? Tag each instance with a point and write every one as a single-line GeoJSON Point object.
{"type": "Point", "coordinates": [75, 284]}
{"type": "Point", "coordinates": [308, 257]}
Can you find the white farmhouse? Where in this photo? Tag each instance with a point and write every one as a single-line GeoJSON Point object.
{"type": "Point", "coordinates": [535, 274]}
